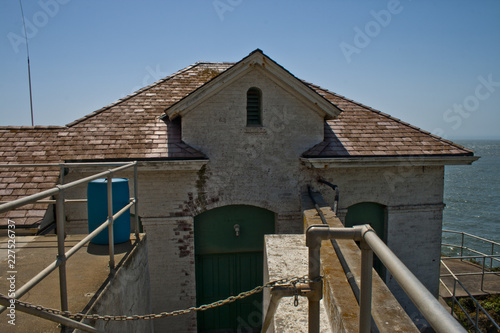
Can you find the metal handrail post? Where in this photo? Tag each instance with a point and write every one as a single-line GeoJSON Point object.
{"type": "Point", "coordinates": [477, 317]}
{"type": "Point", "coordinates": [110, 225]}
{"type": "Point", "coordinates": [453, 299]}
{"type": "Point", "coordinates": [365, 304]}
{"type": "Point", "coordinates": [61, 253]}
{"type": "Point", "coordinates": [136, 207]}
{"type": "Point", "coordinates": [314, 273]}
{"type": "Point", "coordinates": [462, 247]}
{"type": "Point", "coordinates": [492, 252]}
{"type": "Point", "coordinates": [61, 174]}
{"type": "Point", "coordinates": [482, 275]}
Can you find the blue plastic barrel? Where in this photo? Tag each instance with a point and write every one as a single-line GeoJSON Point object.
{"type": "Point", "coordinates": [97, 208]}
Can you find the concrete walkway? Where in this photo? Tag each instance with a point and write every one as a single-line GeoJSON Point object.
{"type": "Point", "coordinates": [87, 270]}
{"type": "Point", "coordinates": [491, 283]}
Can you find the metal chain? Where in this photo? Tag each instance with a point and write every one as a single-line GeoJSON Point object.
{"type": "Point", "coordinates": [231, 299]}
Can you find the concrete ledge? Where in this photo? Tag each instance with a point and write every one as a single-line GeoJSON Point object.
{"type": "Point", "coordinates": [343, 309]}
{"type": "Point", "coordinates": [286, 257]}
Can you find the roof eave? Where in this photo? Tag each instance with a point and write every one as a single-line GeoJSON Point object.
{"type": "Point", "coordinates": [369, 161]}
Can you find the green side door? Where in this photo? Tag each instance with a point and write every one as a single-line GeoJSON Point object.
{"type": "Point", "coordinates": [373, 214]}
{"type": "Point", "coordinates": [229, 246]}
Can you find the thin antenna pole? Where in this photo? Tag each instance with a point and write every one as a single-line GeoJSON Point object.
{"type": "Point", "coordinates": [29, 68]}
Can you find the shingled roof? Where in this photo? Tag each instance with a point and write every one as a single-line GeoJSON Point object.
{"type": "Point", "coordinates": [361, 131]}
{"type": "Point", "coordinates": [132, 129]}
{"type": "Point", "coordinates": [129, 129]}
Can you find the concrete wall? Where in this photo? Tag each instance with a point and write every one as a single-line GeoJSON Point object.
{"type": "Point", "coordinates": [128, 293]}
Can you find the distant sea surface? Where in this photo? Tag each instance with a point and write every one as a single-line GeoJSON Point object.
{"type": "Point", "coordinates": [472, 194]}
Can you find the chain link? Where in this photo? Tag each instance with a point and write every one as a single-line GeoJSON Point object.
{"type": "Point", "coordinates": [79, 316]}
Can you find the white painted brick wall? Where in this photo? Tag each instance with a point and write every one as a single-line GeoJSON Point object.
{"type": "Point", "coordinates": [254, 165]}
{"type": "Point", "coordinates": [172, 273]}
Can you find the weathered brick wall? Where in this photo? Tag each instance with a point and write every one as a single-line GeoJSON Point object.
{"type": "Point", "coordinates": [172, 273]}
{"type": "Point", "coordinates": [254, 165]}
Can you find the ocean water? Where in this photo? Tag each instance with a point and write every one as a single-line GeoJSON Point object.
{"type": "Point", "coordinates": [472, 196]}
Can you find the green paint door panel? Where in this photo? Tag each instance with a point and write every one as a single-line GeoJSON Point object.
{"type": "Point", "coordinates": [228, 263]}
{"type": "Point", "coordinates": [232, 274]}
{"type": "Point", "coordinates": [373, 214]}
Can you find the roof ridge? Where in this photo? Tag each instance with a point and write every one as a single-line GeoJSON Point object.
{"type": "Point", "coordinates": [214, 63]}
{"type": "Point", "coordinates": [434, 136]}
{"type": "Point", "coordinates": [135, 93]}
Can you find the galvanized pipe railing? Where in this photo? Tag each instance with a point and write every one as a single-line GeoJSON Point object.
{"type": "Point", "coordinates": [54, 191]}
{"type": "Point", "coordinates": [427, 304]}
{"type": "Point", "coordinates": [454, 301]}
{"type": "Point", "coordinates": [462, 246]}
{"type": "Point", "coordinates": [54, 265]}
{"type": "Point", "coordinates": [110, 224]}
{"type": "Point", "coordinates": [63, 256]}
{"type": "Point", "coordinates": [317, 233]}
{"type": "Point", "coordinates": [347, 270]}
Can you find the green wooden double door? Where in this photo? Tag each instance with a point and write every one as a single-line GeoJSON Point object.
{"type": "Point", "coordinates": [229, 244]}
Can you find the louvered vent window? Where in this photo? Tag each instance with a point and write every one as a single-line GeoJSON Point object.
{"type": "Point", "coordinates": [254, 104]}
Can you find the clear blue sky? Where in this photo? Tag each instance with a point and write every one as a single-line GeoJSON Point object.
{"type": "Point", "coordinates": [434, 64]}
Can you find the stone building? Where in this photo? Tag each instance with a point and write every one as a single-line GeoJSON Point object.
{"type": "Point", "coordinates": [225, 152]}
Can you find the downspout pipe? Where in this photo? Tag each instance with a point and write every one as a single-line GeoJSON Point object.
{"type": "Point", "coordinates": [337, 194]}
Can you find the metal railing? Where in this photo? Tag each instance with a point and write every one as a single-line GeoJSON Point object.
{"type": "Point", "coordinates": [62, 256]}
{"type": "Point", "coordinates": [454, 301]}
{"type": "Point", "coordinates": [477, 256]}
{"type": "Point", "coordinates": [428, 305]}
